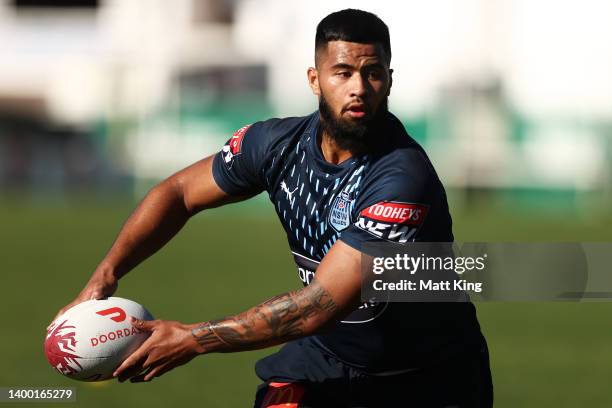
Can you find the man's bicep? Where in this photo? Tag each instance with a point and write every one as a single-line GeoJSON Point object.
{"type": "Point", "coordinates": [339, 273]}
{"type": "Point", "coordinates": [199, 189]}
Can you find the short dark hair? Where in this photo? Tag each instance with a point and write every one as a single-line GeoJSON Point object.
{"type": "Point", "coordinates": [353, 26]}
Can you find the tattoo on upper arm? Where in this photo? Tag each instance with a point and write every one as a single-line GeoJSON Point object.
{"type": "Point", "coordinates": [282, 318]}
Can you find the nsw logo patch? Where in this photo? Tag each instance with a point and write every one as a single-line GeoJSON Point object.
{"type": "Point", "coordinates": [393, 221]}
{"type": "Point", "coordinates": [340, 213]}
{"type": "Point", "coordinates": [233, 146]}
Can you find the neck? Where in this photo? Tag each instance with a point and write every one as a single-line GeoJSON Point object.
{"type": "Point", "coordinates": [331, 152]}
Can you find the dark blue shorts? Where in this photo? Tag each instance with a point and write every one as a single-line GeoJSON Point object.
{"type": "Point", "coordinates": [312, 378]}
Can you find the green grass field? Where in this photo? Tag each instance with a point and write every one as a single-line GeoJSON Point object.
{"type": "Point", "coordinates": [543, 354]}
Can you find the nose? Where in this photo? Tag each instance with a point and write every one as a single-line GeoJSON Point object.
{"type": "Point", "coordinates": [358, 85]}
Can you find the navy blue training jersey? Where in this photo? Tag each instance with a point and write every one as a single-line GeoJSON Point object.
{"type": "Point", "coordinates": [390, 194]}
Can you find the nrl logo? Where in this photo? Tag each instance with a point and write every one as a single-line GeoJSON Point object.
{"type": "Point", "coordinates": [233, 147]}
{"type": "Point", "coordinates": [340, 213]}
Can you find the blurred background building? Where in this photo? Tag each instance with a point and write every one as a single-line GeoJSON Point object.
{"type": "Point", "coordinates": [511, 98]}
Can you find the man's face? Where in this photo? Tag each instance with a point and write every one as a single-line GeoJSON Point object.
{"type": "Point", "coordinates": [352, 81]}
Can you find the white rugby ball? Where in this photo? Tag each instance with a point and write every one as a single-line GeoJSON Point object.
{"type": "Point", "coordinates": [90, 340]}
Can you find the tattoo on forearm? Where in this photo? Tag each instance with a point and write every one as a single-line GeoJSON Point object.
{"type": "Point", "coordinates": [205, 336]}
{"type": "Point", "coordinates": [277, 320]}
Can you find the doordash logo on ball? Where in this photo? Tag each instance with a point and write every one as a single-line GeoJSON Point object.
{"type": "Point", "coordinates": [118, 315]}
{"type": "Point", "coordinates": [113, 335]}
{"type": "Point", "coordinates": [117, 311]}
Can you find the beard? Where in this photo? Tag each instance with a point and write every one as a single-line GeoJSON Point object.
{"type": "Point", "coordinates": [354, 136]}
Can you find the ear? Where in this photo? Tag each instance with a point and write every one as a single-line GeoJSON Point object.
{"type": "Point", "coordinates": [390, 81]}
{"type": "Point", "coordinates": [313, 81]}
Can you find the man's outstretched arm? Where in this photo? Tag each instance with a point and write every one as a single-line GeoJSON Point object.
{"type": "Point", "coordinates": [158, 217]}
{"type": "Point", "coordinates": [284, 317]}
{"type": "Point", "coordinates": [333, 293]}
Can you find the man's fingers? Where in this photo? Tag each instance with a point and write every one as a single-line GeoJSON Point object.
{"type": "Point", "coordinates": [96, 294]}
{"type": "Point", "coordinates": [149, 374]}
{"type": "Point", "coordinates": [131, 371]}
{"type": "Point", "coordinates": [135, 357]}
{"type": "Point", "coordinates": [142, 325]}
{"type": "Point", "coordinates": [140, 377]}
{"type": "Point", "coordinates": [131, 365]}
{"type": "Point", "coordinates": [135, 363]}
{"type": "Point", "coordinates": [61, 312]}
{"type": "Point", "coordinates": [64, 309]}
{"type": "Point", "coordinates": [156, 372]}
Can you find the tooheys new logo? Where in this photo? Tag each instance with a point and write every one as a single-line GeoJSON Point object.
{"type": "Point", "coordinates": [233, 146]}
{"type": "Point", "coordinates": [393, 221]}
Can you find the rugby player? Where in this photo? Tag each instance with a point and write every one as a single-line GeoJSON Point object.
{"type": "Point", "coordinates": [339, 178]}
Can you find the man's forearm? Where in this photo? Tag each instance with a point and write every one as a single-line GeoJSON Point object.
{"type": "Point", "coordinates": [159, 216]}
{"type": "Point", "coordinates": [283, 318]}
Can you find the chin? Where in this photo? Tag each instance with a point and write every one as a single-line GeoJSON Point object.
{"type": "Point", "coordinates": [353, 119]}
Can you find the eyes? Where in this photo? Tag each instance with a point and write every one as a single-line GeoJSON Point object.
{"type": "Point", "coordinates": [374, 74]}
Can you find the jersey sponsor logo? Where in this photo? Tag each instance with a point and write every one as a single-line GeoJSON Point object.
{"type": "Point", "coordinates": [365, 313]}
{"type": "Point", "coordinates": [306, 275]}
{"type": "Point", "coordinates": [340, 212]}
{"type": "Point", "coordinates": [233, 146]}
{"type": "Point", "coordinates": [286, 190]}
{"type": "Point", "coordinates": [393, 221]}
{"type": "Point", "coordinates": [306, 267]}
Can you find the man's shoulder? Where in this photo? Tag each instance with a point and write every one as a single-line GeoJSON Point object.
{"type": "Point", "coordinates": [287, 122]}
{"type": "Point", "coordinates": [401, 157]}
{"type": "Point", "coordinates": [274, 128]}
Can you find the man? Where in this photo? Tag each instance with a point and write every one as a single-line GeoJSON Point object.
{"type": "Point", "coordinates": [327, 174]}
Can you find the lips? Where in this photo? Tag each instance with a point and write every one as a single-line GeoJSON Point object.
{"type": "Point", "coordinates": [356, 107]}
{"type": "Point", "coordinates": [356, 110]}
